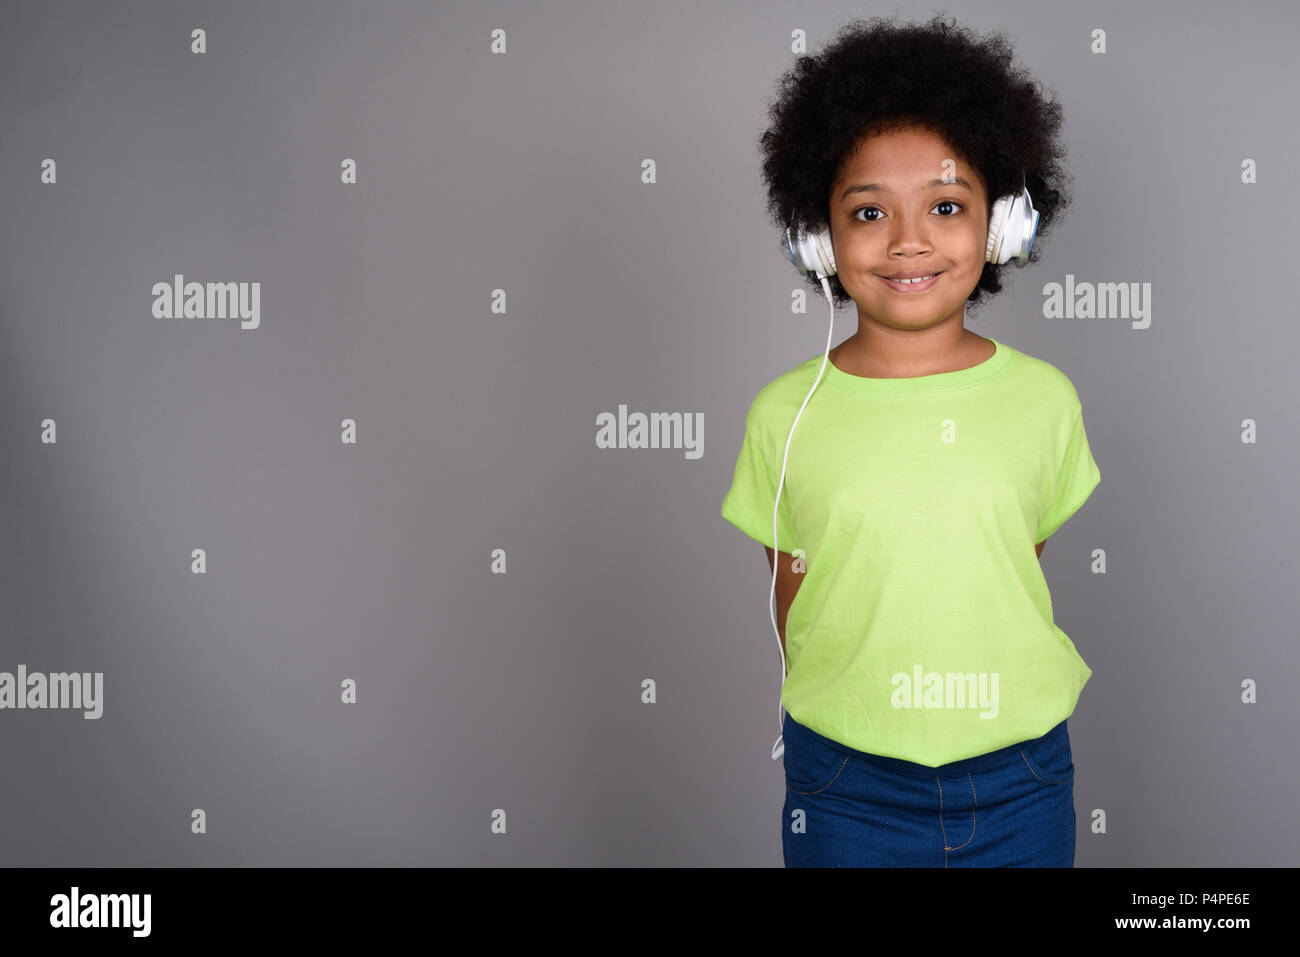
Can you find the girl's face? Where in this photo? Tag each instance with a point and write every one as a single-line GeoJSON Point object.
{"type": "Point", "coordinates": [909, 222]}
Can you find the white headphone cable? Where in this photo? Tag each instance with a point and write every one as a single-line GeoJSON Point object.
{"type": "Point", "coordinates": [778, 748]}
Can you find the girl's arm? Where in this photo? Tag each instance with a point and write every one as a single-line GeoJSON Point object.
{"type": "Point", "coordinates": [787, 586]}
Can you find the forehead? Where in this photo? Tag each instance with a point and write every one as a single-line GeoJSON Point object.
{"type": "Point", "coordinates": [903, 159]}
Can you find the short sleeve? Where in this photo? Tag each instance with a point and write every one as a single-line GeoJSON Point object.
{"type": "Point", "coordinates": [748, 504]}
{"type": "Point", "coordinates": [1076, 476]}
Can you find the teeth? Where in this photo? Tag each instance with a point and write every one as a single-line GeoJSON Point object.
{"type": "Point", "coordinates": [918, 279]}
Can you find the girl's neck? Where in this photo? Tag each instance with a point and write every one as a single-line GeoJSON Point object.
{"type": "Point", "coordinates": [910, 354]}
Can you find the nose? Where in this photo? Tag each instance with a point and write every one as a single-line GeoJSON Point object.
{"type": "Point", "coordinates": [910, 236]}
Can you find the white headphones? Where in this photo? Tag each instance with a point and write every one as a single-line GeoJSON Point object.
{"type": "Point", "coordinates": [1013, 224]}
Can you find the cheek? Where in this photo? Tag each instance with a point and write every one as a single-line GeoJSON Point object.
{"type": "Point", "coordinates": [972, 257]}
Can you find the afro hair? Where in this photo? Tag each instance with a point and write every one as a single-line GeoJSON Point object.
{"type": "Point", "coordinates": [876, 75]}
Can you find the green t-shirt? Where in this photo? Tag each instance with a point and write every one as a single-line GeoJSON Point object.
{"type": "Point", "coordinates": [924, 629]}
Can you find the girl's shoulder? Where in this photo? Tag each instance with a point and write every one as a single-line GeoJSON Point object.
{"type": "Point", "coordinates": [780, 398]}
{"type": "Point", "coordinates": [1043, 381]}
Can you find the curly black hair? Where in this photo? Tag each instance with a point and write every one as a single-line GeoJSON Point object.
{"type": "Point", "coordinates": [876, 75]}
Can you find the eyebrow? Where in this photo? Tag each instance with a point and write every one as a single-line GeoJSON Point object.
{"type": "Point", "coordinates": [881, 188]}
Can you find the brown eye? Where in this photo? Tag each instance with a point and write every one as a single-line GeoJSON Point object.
{"type": "Point", "coordinates": [946, 202]}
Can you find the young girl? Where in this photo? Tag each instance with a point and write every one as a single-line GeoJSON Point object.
{"type": "Point", "coordinates": [913, 473]}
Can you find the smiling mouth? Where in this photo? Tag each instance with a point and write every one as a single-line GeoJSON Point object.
{"type": "Point", "coordinates": [915, 285]}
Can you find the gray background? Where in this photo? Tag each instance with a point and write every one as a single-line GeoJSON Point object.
{"type": "Point", "coordinates": [522, 172]}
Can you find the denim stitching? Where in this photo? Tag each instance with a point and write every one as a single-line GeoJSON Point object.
{"type": "Point", "coordinates": [1023, 757]}
{"type": "Point", "coordinates": [943, 830]}
{"type": "Point", "coordinates": [942, 833]}
{"type": "Point", "coordinates": [828, 783]}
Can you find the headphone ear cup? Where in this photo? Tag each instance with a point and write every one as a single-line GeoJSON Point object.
{"type": "Point", "coordinates": [1013, 224]}
{"type": "Point", "coordinates": [823, 240]}
{"type": "Point", "coordinates": [811, 253]}
{"type": "Point", "coordinates": [1032, 229]}
{"type": "Point", "coordinates": [997, 230]}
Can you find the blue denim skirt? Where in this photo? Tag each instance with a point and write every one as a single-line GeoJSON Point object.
{"type": "Point", "coordinates": [1013, 807]}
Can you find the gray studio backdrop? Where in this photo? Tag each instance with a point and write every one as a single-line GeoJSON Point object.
{"type": "Point", "coordinates": [515, 177]}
